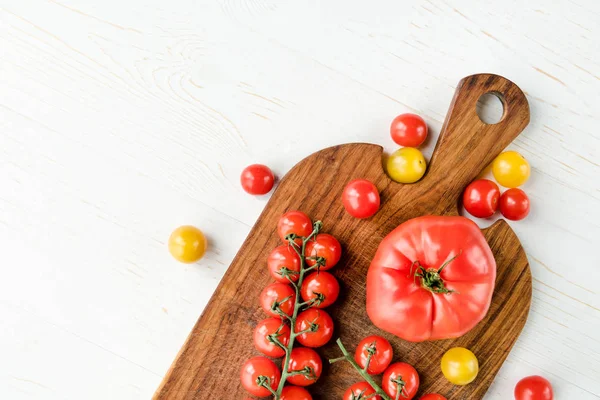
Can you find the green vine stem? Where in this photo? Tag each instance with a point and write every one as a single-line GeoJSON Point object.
{"type": "Point", "coordinates": [300, 249]}
{"type": "Point", "coordinates": [362, 371]}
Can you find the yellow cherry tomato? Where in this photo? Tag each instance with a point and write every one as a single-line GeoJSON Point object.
{"type": "Point", "coordinates": [187, 244]}
{"type": "Point", "coordinates": [406, 165]}
{"type": "Point", "coordinates": [511, 169]}
{"type": "Point", "coordinates": [460, 366]}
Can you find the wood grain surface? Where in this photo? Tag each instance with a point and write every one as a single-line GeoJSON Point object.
{"type": "Point", "coordinates": [222, 339]}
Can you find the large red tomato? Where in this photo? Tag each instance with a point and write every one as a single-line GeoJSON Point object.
{"type": "Point", "coordinates": [431, 278]}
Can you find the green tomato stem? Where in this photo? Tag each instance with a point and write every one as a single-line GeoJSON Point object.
{"type": "Point", "coordinates": [362, 372]}
{"type": "Point", "coordinates": [300, 250]}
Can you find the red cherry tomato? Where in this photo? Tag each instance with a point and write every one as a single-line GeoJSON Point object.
{"type": "Point", "coordinates": [481, 198]}
{"type": "Point", "coordinates": [308, 361]}
{"type": "Point", "coordinates": [284, 257]}
{"type": "Point", "coordinates": [381, 357]}
{"type": "Point", "coordinates": [253, 369]}
{"type": "Point", "coordinates": [361, 198]}
{"type": "Point", "coordinates": [279, 293]}
{"type": "Point", "coordinates": [320, 284]}
{"type": "Point", "coordinates": [257, 179]}
{"type": "Point", "coordinates": [361, 391]}
{"type": "Point", "coordinates": [400, 376]}
{"type": "Point", "coordinates": [326, 246]}
{"type": "Point", "coordinates": [408, 130]}
{"type": "Point", "coordinates": [294, 222]}
{"type": "Point", "coordinates": [276, 328]}
{"type": "Point", "coordinates": [433, 396]}
{"type": "Point", "coordinates": [534, 388]}
{"type": "Point", "coordinates": [514, 204]}
{"type": "Point", "coordinates": [324, 327]}
{"type": "Point", "coordinates": [295, 393]}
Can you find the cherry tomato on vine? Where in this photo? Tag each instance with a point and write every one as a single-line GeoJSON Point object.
{"type": "Point", "coordinates": [514, 204]}
{"type": "Point", "coordinates": [257, 179]}
{"type": "Point", "coordinates": [324, 326]}
{"type": "Point", "coordinates": [380, 358]}
{"type": "Point", "coordinates": [326, 246]}
{"type": "Point", "coordinates": [481, 198]}
{"type": "Point", "coordinates": [361, 198]}
{"type": "Point", "coordinates": [294, 222]}
{"type": "Point", "coordinates": [278, 293]}
{"type": "Point", "coordinates": [295, 393]}
{"type": "Point", "coordinates": [511, 169]}
{"type": "Point", "coordinates": [460, 366]}
{"type": "Point", "coordinates": [253, 369]}
{"type": "Point", "coordinates": [534, 388]}
{"type": "Point", "coordinates": [284, 257]}
{"type": "Point", "coordinates": [360, 391]}
{"type": "Point", "coordinates": [400, 376]}
{"type": "Point", "coordinates": [275, 327]}
{"type": "Point", "coordinates": [433, 396]}
{"type": "Point", "coordinates": [320, 283]}
{"type": "Point", "coordinates": [409, 130]}
{"type": "Point", "coordinates": [187, 244]}
{"type": "Point", "coordinates": [307, 360]}
{"type": "Point", "coordinates": [406, 165]}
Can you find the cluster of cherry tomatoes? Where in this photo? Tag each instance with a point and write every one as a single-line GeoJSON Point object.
{"type": "Point", "coordinates": [407, 164]}
{"type": "Point", "coordinates": [482, 197]}
{"type": "Point", "coordinates": [305, 250]}
{"type": "Point", "coordinates": [374, 355]}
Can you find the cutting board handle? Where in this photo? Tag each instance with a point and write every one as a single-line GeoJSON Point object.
{"type": "Point", "coordinates": [466, 144]}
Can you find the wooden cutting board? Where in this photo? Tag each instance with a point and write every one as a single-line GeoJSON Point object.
{"type": "Point", "coordinates": [208, 365]}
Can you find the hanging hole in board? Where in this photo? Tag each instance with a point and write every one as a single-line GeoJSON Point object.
{"type": "Point", "coordinates": [490, 108]}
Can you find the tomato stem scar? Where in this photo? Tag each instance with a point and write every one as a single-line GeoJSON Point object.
{"type": "Point", "coordinates": [431, 278]}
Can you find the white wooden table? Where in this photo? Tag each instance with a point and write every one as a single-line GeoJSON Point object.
{"type": "Point", "coordinates": [121, 120]}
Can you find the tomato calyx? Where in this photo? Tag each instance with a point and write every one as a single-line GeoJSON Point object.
{"type": "Point", "coordinates": [265, 382]}
{"type": "Point", "coordinates": [274, 337]}
{"type": "Point", "coordinates": [276, 307]}
{"type": "Point", "coordinates": [371, 350]}
{"type": "Point", "coordinates": [362, 395]}
{"type": "Point", "coordinates": [307, 372]}
{"type": "Point", "coordinates": [431, 278]}
{"type": "Point", "coordinates": [312, 327]}
{"type": "Point", "coordinates": [285, 272]}
{"type": "Point", "coordinates": [400, 387]}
